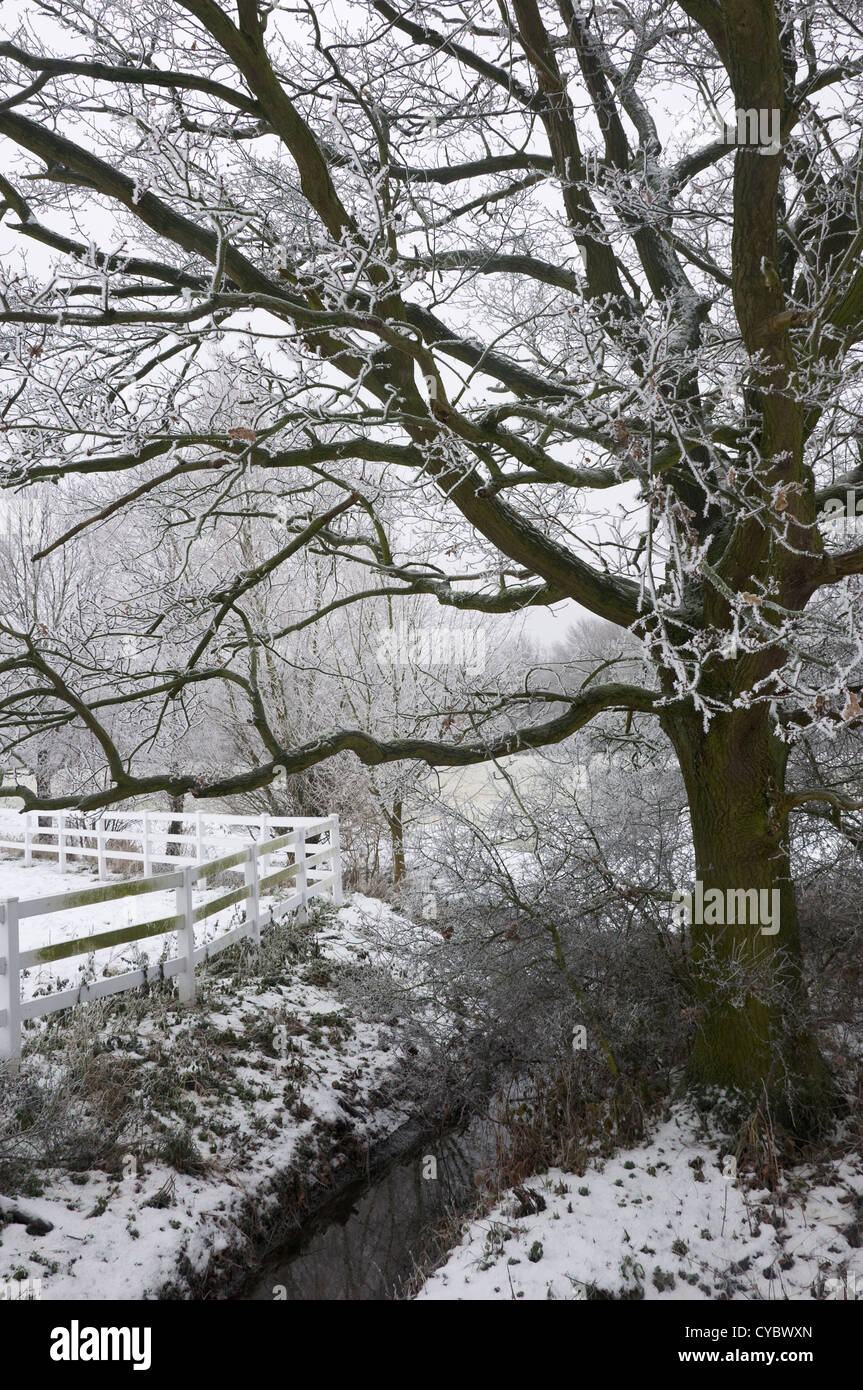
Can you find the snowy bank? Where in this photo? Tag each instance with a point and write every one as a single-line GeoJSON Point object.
{"type": "Point", "coordinates": [662, 1221]}
{"type": "Point", "coordinates": [234, 1118]}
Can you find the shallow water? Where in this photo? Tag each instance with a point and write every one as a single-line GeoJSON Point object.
{"type": "Point", "coordinates": [371, 1249]}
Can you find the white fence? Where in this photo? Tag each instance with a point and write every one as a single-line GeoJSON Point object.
{"type": "Point", "coordinates": [314, 869]}
{"type": "Point", "coordinates": [63, 836]}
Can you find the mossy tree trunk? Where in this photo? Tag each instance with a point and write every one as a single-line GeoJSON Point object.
{"type": "Point", "coordinates": [754, 1032]}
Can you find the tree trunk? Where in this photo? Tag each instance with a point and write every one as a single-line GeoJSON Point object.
{"type": "Point", "coordinates": [397, 836]}
{"type": "Point", "coordinates": [754, 1032]}
{"type": "Point", "coordinates": [43, 787]}
{"type": "Point", "coordinates": [175, 827]}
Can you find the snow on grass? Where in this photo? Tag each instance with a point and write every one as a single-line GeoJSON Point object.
{"type": "Point", "coordinates": [661, 1221]}
{"type": "Point", "coordinates": [266, 1073]}
{"type": "Point", "coordinates": [370, 926]}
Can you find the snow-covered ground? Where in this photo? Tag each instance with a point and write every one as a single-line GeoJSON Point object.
{"type": "Point", "coordinates": [661, 1221]}
{"type": "Point", "coordinates": [266, 1074]}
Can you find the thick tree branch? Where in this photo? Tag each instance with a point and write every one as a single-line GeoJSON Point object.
{"type": "Point", "coordinates": [372, 751]}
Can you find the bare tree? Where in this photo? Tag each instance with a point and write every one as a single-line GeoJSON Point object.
{"type": "Point", "coordinates": [447, 257]}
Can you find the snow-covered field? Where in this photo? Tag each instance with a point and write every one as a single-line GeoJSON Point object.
{"type": "Point", "coordinates": [661, 1221]}
{"type": "Point", "coordinates": [45, 880]}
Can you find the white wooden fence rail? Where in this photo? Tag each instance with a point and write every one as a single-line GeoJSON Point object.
{"type": "Point", "coordinates": [315, 871]}
{"type": "Point", "coordinates": [60, 835]}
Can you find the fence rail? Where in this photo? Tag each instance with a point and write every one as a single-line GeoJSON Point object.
{"type": "Point", "coordinates": [313, 870]}
{"type": "Point", "coordinates": [60, 835]}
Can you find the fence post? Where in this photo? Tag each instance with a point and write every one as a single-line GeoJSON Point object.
{"type": "Point", "coordinates": [302, 876]}
{"type": "Point", "coordinates": [253, 902]}
{"type": "Point", "coordinates": [336, 862]}
{"type": "Point", "coordinates": [100, 847]}
{"type": "Point", "coordinates": [145, 842]}
{"type": "Point", "coordinates": [186, 938]}
{"type": "Point", "coordinates": [61, 840]}
{"type": "Point", "coordinates": [199, 846]}
{"type": "Point", "coordinates": [28, 841]}
{"type": "Point", "coordinates": [265, 835]}
{"type": "Point", "coordinates": [10, 986]}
